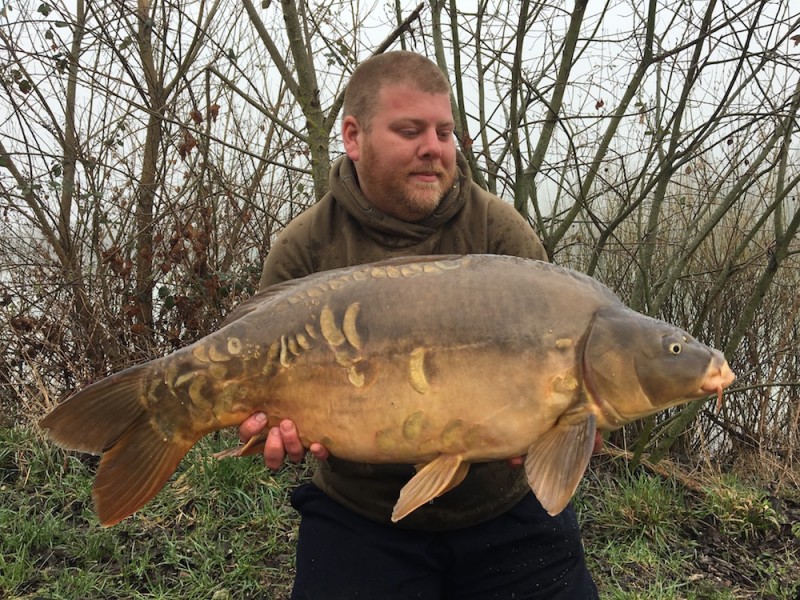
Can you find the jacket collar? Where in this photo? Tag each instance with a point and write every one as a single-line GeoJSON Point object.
{"type": "Point", "coordinates": [387, 229]}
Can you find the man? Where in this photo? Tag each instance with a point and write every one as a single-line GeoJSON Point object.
{"type": "Point", "coordinates": [402, 189]}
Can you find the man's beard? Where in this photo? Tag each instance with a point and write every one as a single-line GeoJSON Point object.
{"type": "Point", "coordinates": [411, 200]}
{"type": "Point", "coordinates": [421, 197]}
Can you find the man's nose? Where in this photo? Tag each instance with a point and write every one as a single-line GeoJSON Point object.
{"type": "Point", "coordinates": [430, 145]}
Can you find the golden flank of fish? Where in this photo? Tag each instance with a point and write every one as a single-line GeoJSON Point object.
{"type": "Point", "coordinates": [435, 361]}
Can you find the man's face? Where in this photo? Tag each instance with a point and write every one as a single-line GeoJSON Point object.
{"type": "Point", "coordinates": [406, 162]}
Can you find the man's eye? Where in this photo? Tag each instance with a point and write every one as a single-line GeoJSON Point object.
{"type": "Point", "coordinates": [445, 134]}
{"type": "Point", "coordinates": [409, 133]}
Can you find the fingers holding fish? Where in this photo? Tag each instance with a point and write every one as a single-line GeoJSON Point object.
{"type": "Point", "coordinates": [252, 426]}
{"type": "Point", "coordinates": [319, 451]}
{"type": "Point", "coordinates": [598, 443]}
{"type": "Point", "coordinates": [284, 442]}
{"type": "Point", "coordinates": [280, 441]}
{"type": "Point", "coordinates": [516, 461]}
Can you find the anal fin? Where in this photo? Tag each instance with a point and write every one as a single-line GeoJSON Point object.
{"type": "Point", "coordinates": [557, 460]}
{"type": "Point", "coordinates": [255, 445]}
{"type": "Point", "coordinates": [440, 475]}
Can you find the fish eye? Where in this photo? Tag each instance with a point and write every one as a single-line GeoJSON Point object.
{"type": "Point", "coordinates": [674, 348]}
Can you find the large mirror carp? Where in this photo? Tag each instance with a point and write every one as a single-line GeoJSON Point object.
{"type": "Point", "coordinates": [435, 361]}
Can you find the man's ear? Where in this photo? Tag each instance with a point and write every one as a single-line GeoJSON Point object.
{"type": "Point", "coordinates": [351, 137]}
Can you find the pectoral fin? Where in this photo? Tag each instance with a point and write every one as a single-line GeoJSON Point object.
{"type": "Point", "coordinates": [557, 460]}
{"type": "Point", "coordinates": [443, 473]}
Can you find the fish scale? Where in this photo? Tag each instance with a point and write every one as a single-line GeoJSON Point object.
{"type": "Point", "coordinates": [436, 361]}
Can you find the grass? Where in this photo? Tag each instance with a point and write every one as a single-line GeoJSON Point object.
{"type": "Point", "coordinates": [220, 529]}
{"type": "Point", "coordinates": [650, 537]}
{"type": "Point", "coordinates": [223, 530]}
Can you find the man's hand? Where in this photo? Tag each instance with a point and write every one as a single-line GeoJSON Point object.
{"type": "Point", "coordinates": [281, 441]}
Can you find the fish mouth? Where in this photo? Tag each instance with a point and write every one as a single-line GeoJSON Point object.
{"type": "Point", "coordinates": [718, 377]}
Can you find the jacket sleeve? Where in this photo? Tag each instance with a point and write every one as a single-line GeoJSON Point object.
{"type": "Point", "coordinates": [290, 254]}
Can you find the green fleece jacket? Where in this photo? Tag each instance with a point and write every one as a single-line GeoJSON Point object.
{"type": "Point", "coordinates": [343, 229]}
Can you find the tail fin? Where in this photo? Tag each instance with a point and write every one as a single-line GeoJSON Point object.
{"type": "Point", "coordinates": [111, 418]}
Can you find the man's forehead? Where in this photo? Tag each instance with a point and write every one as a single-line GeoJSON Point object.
{"type": "Point", "coordinates": [392, 89]}
{"type": "Point", "coordinates": [406, 101]}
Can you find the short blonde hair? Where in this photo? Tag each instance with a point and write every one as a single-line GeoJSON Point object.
{"type": "Point", "coordinates": [397, 67]}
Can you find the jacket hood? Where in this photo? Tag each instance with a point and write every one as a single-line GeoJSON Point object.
{"type": "Point", "coordinates": [388, 230]}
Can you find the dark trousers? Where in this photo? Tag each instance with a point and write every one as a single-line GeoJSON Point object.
{"type": "Point", "coordinates": [522, 554]}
